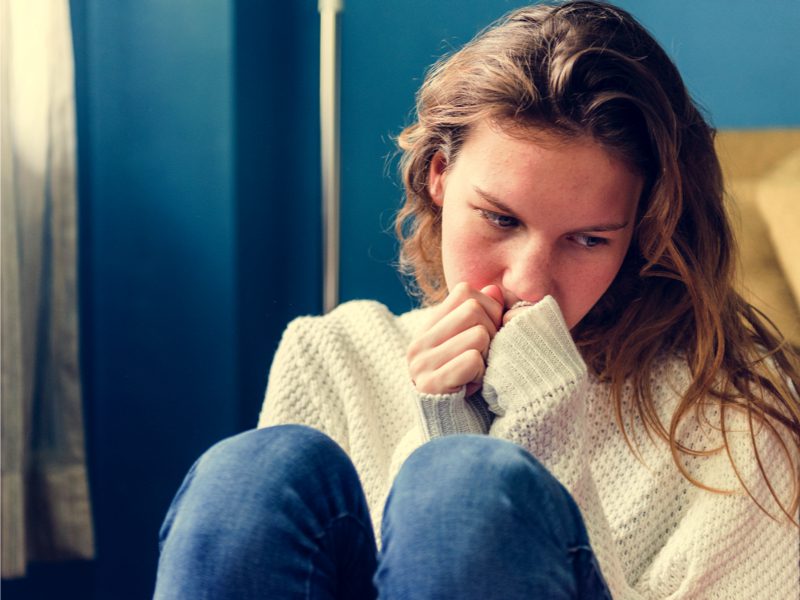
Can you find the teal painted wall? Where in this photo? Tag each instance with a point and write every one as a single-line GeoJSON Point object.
{"type": "Point", "coordinates": [740, 60]}
{"type": "Point", "coordinates": [156, 97]}
{"type": "Point", "coordinates": [198, 243]}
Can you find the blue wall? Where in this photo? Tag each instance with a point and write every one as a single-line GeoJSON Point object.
{"type": "Point", "coordinates": [740, 60]}
{"type": "Point", "coordinates": [198, 176]}
{"type": "Point", "coordinates": [193, 178]}
{"type": "Point", "coordinates": [158, 257]}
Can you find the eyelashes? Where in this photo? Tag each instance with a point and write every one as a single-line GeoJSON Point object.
{"type": "Point", "coordinates": [498, 220]}
{"type": "Point", "coordinates": [589, 241]}
{"type": "Point", "coordinates": [506, 222]}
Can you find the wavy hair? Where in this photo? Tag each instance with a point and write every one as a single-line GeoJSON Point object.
{"type": "Point", "coordinates": [588, 69]}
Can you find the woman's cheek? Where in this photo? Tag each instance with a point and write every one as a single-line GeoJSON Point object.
{"type": "Point", "coordinates": [586, 291]}
{"type": "Point", "coordinates": [470, 258]}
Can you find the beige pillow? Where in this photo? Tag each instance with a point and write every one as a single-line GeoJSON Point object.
{"type": "Point", "coordinates": [778, 199]}
{"type": "Point", "coordinates": [757, 178]}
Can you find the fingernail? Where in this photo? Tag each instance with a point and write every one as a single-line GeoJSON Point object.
{"type": "Point", "coordinates": [521, 303]}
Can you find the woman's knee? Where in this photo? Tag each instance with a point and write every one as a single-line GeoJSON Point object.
{"type": "Point", "coordinates": [271, 447]}
{"type": "Point", "coordinates": [251, 472]}
{"type": "Point", "coordinates": [470, 455]}
{"type": "Point", "coordinates": [466, 464]}
{"type": "Point", "coordinates": [265, 462]}
{"type": "Point", "coordinates": [287, 494]}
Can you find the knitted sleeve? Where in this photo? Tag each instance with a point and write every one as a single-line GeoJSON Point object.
{"type": "Point", "coordinates": [535, 382]}
{"type": "Point", "coordinates": [532, 356]}
{"type": "Point", "coordinates": [723, 547]}
{"type": "Point", "coordinates": [447, 414]}
{"type": "Point", "coordinates": [345, 374]}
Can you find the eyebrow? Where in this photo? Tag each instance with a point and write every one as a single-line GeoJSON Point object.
{"type": "Point", "coordinates": [504, 208]}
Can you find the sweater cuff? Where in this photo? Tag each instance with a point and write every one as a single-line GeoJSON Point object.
{"type": "Point", "coordinates": [448, 414]}
{"type": "Point", "coordinates": [533, 356]}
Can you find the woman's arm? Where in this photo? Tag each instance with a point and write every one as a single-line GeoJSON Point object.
{"type": "Point", "coordinates": [534, 383]}
{"type": "Point", "coordinates": [532, 359]}
{"type": "Point", "coordinates": [724, 546]}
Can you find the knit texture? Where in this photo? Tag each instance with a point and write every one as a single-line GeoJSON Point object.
{"type": "Point", "coordinates": [654, 533]}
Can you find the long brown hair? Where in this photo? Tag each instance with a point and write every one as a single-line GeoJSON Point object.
{"type": "Point", "coordinates": [589, 69]}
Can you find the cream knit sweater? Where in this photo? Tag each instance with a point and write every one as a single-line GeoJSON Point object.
{"type": "Point", "coordinates": [655, 534]}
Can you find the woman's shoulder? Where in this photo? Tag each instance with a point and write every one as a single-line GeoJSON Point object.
{"type": "Point", "coordinates": [361, 313]}
{"type": "Point", "coordinates": [360, 324]}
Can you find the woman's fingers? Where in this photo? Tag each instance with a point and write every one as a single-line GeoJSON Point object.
{"type": "Point", "coordinates": [464, 369]}
{"type": "Point", "coordinates": [494, 310]}
{"type": "Point", "coordinates": [462, 293]}
{"type": "Point", "coordinates": [452, 345]}
{"type": "Point", "coordinates": [464, 316]}
{"type": "Point", "coordinates": [431, 359]}
{"type": "Point", "coordinates": [463, 308]}
{"type": "Point", "coordinates": [490, 298]}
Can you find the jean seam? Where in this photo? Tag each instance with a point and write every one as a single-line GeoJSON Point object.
{"type": "Point", "coordinates": [172, 510]}
{"type": "Point", "coordinates": [364, 530]}
{"type": "Point", "coordinates": [573, 550]}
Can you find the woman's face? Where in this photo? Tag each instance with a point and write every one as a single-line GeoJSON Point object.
{"type": "Point", "coordinates": [536, 216]}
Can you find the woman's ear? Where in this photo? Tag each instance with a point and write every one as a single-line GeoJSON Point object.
{"type": "Point", "coordinates": [437, 174]}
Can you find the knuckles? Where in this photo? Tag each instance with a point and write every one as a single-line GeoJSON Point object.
{"type": "Point", "coordinates": [472, 311]}
{"type": "Point", "coordinates": [416, 369]}
{"type": "Point", "coordinates": [475, 357]}
{"type": "Point", "coordinates": [479, 339]}
{"type": "Point", "coordinates": [414, 350]}
{"type": "Point", "coordinates": [461, 290]}
{"type": "Point", "coordinates": [422, 383]}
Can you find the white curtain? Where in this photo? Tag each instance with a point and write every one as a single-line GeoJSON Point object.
{"type": "Point", "coordinates": [45, 499]}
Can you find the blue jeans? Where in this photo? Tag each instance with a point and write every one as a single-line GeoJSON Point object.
{"type": "Point", "coordinates": [280, 513]}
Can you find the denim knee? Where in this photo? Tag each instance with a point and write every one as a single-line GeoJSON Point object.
{"type": "Point", "coordinates": [467, 458]}
{"type": "Point", "coordinates": [460, 467]}
{"type": "Point", "coordinates": [270, 511]}
{"type": "Point", "coordinates": [465, 506]}
{"type": "Point", "coordinates": [261, 447]}
{"type": "Point", "coordinates": [259, 463]}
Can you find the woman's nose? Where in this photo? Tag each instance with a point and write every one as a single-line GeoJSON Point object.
{"type": "Point", "coordinates": [528, 275]}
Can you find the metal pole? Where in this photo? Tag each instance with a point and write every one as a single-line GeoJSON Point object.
{"type": "Point", "coordinates": [329, 127]}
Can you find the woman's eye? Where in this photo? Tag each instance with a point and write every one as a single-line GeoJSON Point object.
{"type": "Point", "coordinates": [498, 220]}
{"type": "Point", "coordinates": [589, 241]}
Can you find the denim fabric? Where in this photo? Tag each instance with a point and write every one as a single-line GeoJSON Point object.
{"type": "Point", "coordinates": [280, 513]}
{"type": "Point", "coordinates": [272, 513]}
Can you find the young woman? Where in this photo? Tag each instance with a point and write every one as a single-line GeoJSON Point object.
{"type": "Point", "coordinates": [585, 408]}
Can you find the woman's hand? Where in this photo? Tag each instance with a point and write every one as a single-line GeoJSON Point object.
{"type": "Point", "coordinates": [451, 347]}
